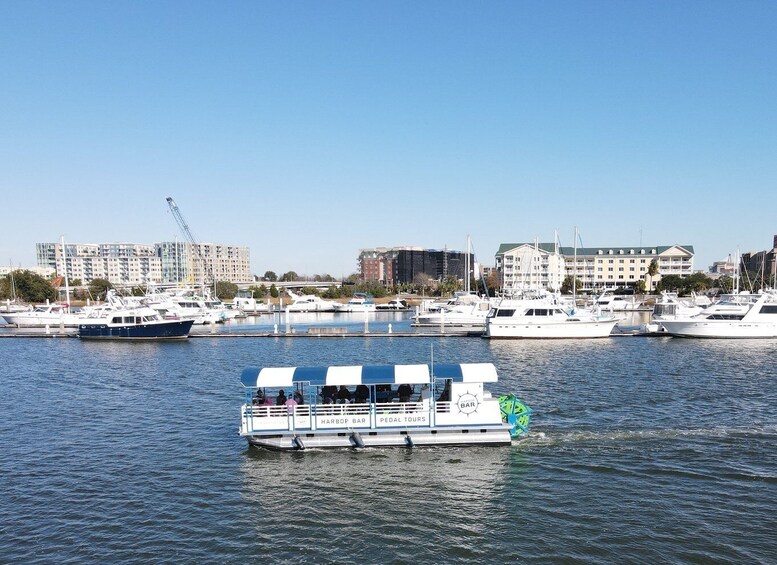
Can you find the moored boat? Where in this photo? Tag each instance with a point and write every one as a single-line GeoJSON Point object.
{"type": "Point", "coordinates": [545, 319]}
{"type": "Point", "coordinates": [118, 321]}
{"type": "Point", "coordinates": [379, 405]}
{"type": "Point", "coordinates": [744, 315]}
{"type": "Point", "coordinates": [360, 302]}
{"type": "Point", "coordinates": [44, 315]}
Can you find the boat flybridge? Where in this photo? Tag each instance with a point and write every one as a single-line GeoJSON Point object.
{"type": "Point", "coordinates": [392, 405]}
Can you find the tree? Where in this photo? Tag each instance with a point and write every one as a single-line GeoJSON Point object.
{"type": "Point", "coordinates": [422, 281]}
{"type": "Point", "coordinates": [639, 287]}
{"type": "Point", "coordinates": [332, 292]}
{"type": "Point", "coordinates": [289, 276]}
{"type": "Point", "coordinates": [309, 290]}
{"type": "Point", "coordinates": [270, 276]}
{"type": "Point", "coordinates": [226, 290]}
{"type": "Point", "coordinates": [652, 272]}
{"type": "Point", "coordinates": [98, 288]}
{"type": "Point", "coordinates": [566, 286]}
{"type": "Point", "coordinates": [274, 291]}
{"type": "Point", "coordinates": [448, 286]}
{"type": "Point", "coordinates": [726, 283]}
{"type": "Point", "coordinates": [671, 283]}
{"type": "Point", "coordinates": [30, 287]}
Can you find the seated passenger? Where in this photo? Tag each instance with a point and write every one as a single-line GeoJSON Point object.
{"type": "Point", "coordinates": [298, 397]}
{"type": "Point", "coordinates": [280, 400]}
{"type": "Point", "coordinates": [382, 393]}
{"type": "Point", "coordinates": [404, 392]}
{"type": "Point", "coordinates": [426, 393]}
{"type": "Point", "coordinates": [259, 399]}
{"type": "Point", "coordinates": [343, 395]}
{"type": "Point", "coordinates": [330, 392]}
{"type": "Point", "coordinates": [362, 394]}
{"type": "Point", "coordinates": [445, 395]}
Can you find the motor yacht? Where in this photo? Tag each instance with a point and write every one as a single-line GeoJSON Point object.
{"type": "Point", "coordinates": [360, 302]}
{"type": "Point", "coordinates": [545, 318]}
{"type": "Point", "coordinates": [742, 315]}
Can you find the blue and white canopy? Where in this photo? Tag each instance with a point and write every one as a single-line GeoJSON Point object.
{"type": "Point", "coordinates": [366, 374]}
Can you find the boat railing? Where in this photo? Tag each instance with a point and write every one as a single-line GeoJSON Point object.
{"type": "Point", "coordinates": [352, 409]}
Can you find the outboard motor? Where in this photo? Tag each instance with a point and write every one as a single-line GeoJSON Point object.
{"type": "Point", "coordinates": [297, 441]}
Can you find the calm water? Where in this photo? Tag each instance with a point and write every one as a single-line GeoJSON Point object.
{"type": "Point", "coordinates": [642, 450]}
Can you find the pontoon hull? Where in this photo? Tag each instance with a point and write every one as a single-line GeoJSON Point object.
{"type": "Point", "coordinates": [384, 438]}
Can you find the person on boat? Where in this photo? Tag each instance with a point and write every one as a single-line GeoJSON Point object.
{"type": "Point", "coordinates": [404, 392]}
{"type": "Point", "coordinates": [329, 392]}
{"type": "Point", "coordinates": [382, 393]}
{"type": "Point", "coordinates": [259, 399]}
{"type": "Point", "coordinates": [298, 397]}
{"type": "Point", "coordinates": [426, 393]}
{"type": "Point", "coordinates": [445, 395]}
{"type": "Point", "coordinates": [280, 400]}
{"type": "Point", "coordinates": [343, 395]}
{"type": "Point", "coordinates": [362, 394]}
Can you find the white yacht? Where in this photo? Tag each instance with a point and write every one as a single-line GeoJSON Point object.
{"type": "Point", "coordinates": [360, 302]}
{"type": "Point", "coordinates": [309, 303]}
{"type": "Point", "coordinates": [44, 315]}
{"type": "Point", "coordinates": [743, 315]}
{"type": "Point", "coordinates": [464, 309]}
{"type": "Point", "coordinates": [611, 302]}
{"type": "Point", "coordinates": [670, 307]}
{"type": "Point", "coordinates": [545, 318]}
{"type": "Point", "coordinates": [394, 305]}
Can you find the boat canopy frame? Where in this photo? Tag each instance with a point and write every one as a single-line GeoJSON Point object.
{"type": "Point", "coordinates": [280, 377]}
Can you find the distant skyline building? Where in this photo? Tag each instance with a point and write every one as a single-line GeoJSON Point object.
{"type": "Point", "coordinates": [402, 265]}
{"type": "Point", "coordinates": [134, 264]}
{"type": "Point", "coordinates": [545, 265]}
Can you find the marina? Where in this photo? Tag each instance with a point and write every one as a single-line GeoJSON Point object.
{"type": "Point", "coordinates": [687, 421]}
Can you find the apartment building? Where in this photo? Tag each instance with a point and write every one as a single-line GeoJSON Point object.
{"type": "Point", "coordinates": [531, 265]}
{"type": "Point", "coordinates": [402, 265]}
{"type": "Point", "coordinates": [133, 264]}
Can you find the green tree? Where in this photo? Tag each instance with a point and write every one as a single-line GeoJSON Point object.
{"type": "Point", "coordinates": [274, 291]}
{"type": "Point", "coordinates": [226, 290]}
{"type": "Point", "coordinates": [652, 272]}
{"type": "Point", "coordinates": [139, 290]}
{"type": "Point", "coordinates": [566, 285]}
{"type": "Point", "coordinates": [449, 286]}
{"type": "Point", "coordinates": [309, 290]}
{"type": "Point", "coordinates": [639, 287]}
{"type": "Point", "coordinates": [31, 287]}
{"type": "Point", "coordinates": [332, 292]}
{"type": "Point", "coordinates": [725, 283]}
{"type": "Point", "coordinates": [671, 283]}
{"type": "Point", "coordinates": [98, 288]}
{"type": "Point", "coordinates": [289, 276]}
{"type": "Point", "coordinates": [270, 276]}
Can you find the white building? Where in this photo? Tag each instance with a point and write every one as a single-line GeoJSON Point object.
{"type": "Point", "coordinates": [524, 266]}
{"type": "Point", "coordinates": [595, 267]}
{"type": "Point", "coordinates": [134, 264]}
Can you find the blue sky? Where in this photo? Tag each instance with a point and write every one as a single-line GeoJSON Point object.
{"type": "Point", "coordinates": [308, 130]}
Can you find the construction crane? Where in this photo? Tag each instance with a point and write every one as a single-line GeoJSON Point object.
{"type": "Point", "coordinates": [187, 233]}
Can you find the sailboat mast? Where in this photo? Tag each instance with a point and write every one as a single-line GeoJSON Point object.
{"type": "Point", "coordinates": [574, 272]}
{"type": "Point", "coordinates": [467, 267]}
{"type": "Point", "coordinates": [64, 271]}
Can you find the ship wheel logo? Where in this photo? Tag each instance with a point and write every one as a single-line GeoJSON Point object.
{"type": "Point", "coordinates": [467, 403]}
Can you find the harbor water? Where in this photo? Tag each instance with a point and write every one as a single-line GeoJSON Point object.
{"type": "Point", "coordinates": [641, 450]}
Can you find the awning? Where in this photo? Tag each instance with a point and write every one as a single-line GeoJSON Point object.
{"type": "Point", "coordinates": [366, 374]}
{"type": "Point", "coordinates": [466, 372]}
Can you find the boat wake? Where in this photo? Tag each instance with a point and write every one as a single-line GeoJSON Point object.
{"type": "Point", "coordinates": [550, 438]}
